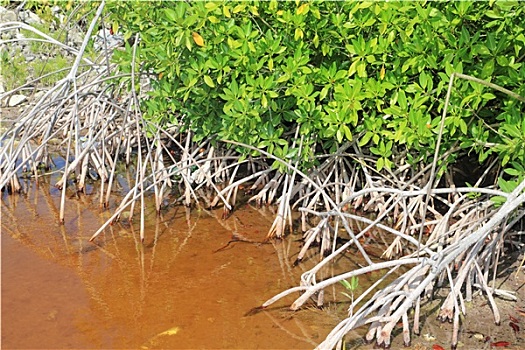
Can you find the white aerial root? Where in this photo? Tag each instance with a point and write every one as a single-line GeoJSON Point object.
{"type": "Point", "coordinates": [393, 303]}
{"type": "Point", "coordinates": [462, 249]}
{"type": "Point", "coordinates": [97, 129]}
{"type": "Point", "coordinates": [459, 249]}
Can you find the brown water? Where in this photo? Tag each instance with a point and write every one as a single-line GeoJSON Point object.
{"type": "Point", "coordinates": [179, 289]}
{"type": "Point", "coordinates": [174, 291]}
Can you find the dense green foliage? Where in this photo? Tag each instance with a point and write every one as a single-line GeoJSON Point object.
{"type": "Point", "coordinates": [255, 71]}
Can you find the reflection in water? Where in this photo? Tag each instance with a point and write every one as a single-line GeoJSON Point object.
{"type": "Point", "coordinates": [175, 290]}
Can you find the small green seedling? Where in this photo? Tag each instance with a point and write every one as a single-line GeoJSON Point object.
{"type": "Point", "coordinates": [351, 287]}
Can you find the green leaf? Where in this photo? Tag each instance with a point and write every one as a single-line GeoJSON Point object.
{"type": "Point", "coordinates": [380, 164]}
{"type": "Point", "coordinates": [298, 34]}
{"type": "Point", "coordinates": [502, 61]}
{"type": "Point", "coordinates": [324, 92]}
{"type": "Point", "coordinates": [423, 79]}
{"type": "Point", "coordinates": [211, 5]}
{"type": "Point", "coordinates": [347, 132]}
{"type": "Point", "coordinates": [463, 126]}
{"type": "Point", "coordinates": [365, 139]}
{"type": "Point", "coordinates": [492, 14]}
{"type": "Point", "coordinates": [506, 186]}
{"type": "Point", "coordinates": [188, 43]}
{"type": "Point", "coordinates": [353, 67]}
{"type": "Point", "coordinates": [488, 96]}
{"type": "Point", "coordinates": [339, 135]}
{"type": "Point", "coordinates": [214, 19]}
{"type": "Point", "coordinates": [171, 14]}
{"type": "Point", "coordinates": [402, 99]}
{"type": "Point", "coordinates": [354, 282]}
{"type": "Point", "coordinates": [346, 284]}
{"type": "Point", "coordinates": [209, 81]}
{"type": "Point", "coordinates": [498, 200]}
{"type": "Point", "coordinates": [513, 172]}
{"type": "Point", "coordinates": [264, 101]}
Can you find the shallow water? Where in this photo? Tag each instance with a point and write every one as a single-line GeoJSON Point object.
{"type": "Point", "coordinates": [184, 287]}
{"type": "Point", "coordinates": [177, 290]}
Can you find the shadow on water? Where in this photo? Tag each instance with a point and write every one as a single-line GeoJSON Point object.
{"type": "Point", "coordinates": [184, 287]}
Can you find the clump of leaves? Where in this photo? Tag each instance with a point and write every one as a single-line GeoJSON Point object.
{"type": "Point", "coordinates": [43, 8]}
{"type": "Point", "coordinates": [52, 69]}
{"type": "Point", "coordinates": [49, 62]}
{"type": "Point", "coordinates": [14, 68]}
{"type": "Point", "coordinates": [254, 72]}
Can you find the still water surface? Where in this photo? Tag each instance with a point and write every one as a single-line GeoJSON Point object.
{"type": "Point", "coordinates": [174, 291]}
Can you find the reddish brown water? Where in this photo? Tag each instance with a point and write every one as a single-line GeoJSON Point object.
{"type": "Point", "coordinates": [174, 291]}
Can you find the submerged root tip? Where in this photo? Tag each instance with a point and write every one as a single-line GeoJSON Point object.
{"type": "Point", "coordinates": [254, 311]}
{"type": "Point", "coordinates": [381, 345]}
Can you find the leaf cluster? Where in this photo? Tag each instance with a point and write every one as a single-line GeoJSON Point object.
{"type": "Point", "coordinates": [254, 72]}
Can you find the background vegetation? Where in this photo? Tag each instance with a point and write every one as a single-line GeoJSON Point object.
{"type": "Point", "coordinates": [376, 71]}
{"type": "Point", "coordinates": [34, 58]}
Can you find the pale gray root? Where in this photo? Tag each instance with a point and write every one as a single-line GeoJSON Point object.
{"type": "Point", "coordinates": [390, 305]}
{"type": "Point", "coordinates": [256, 175]}
{"type": "Point", "coordinates": [284, 213]}
{"type": "Point", "coordinates": [97, 126]}
{"type": "Point", "coordinates": [311, 236]}
{"type": "Point", "coordinates": [283, 217]}
{"type": "Point", "coordinates": [262, 196]}
{"type": "Point", "coordinates": [231, 196]}
{"type": "Point", "coordinates": [81, 114]}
